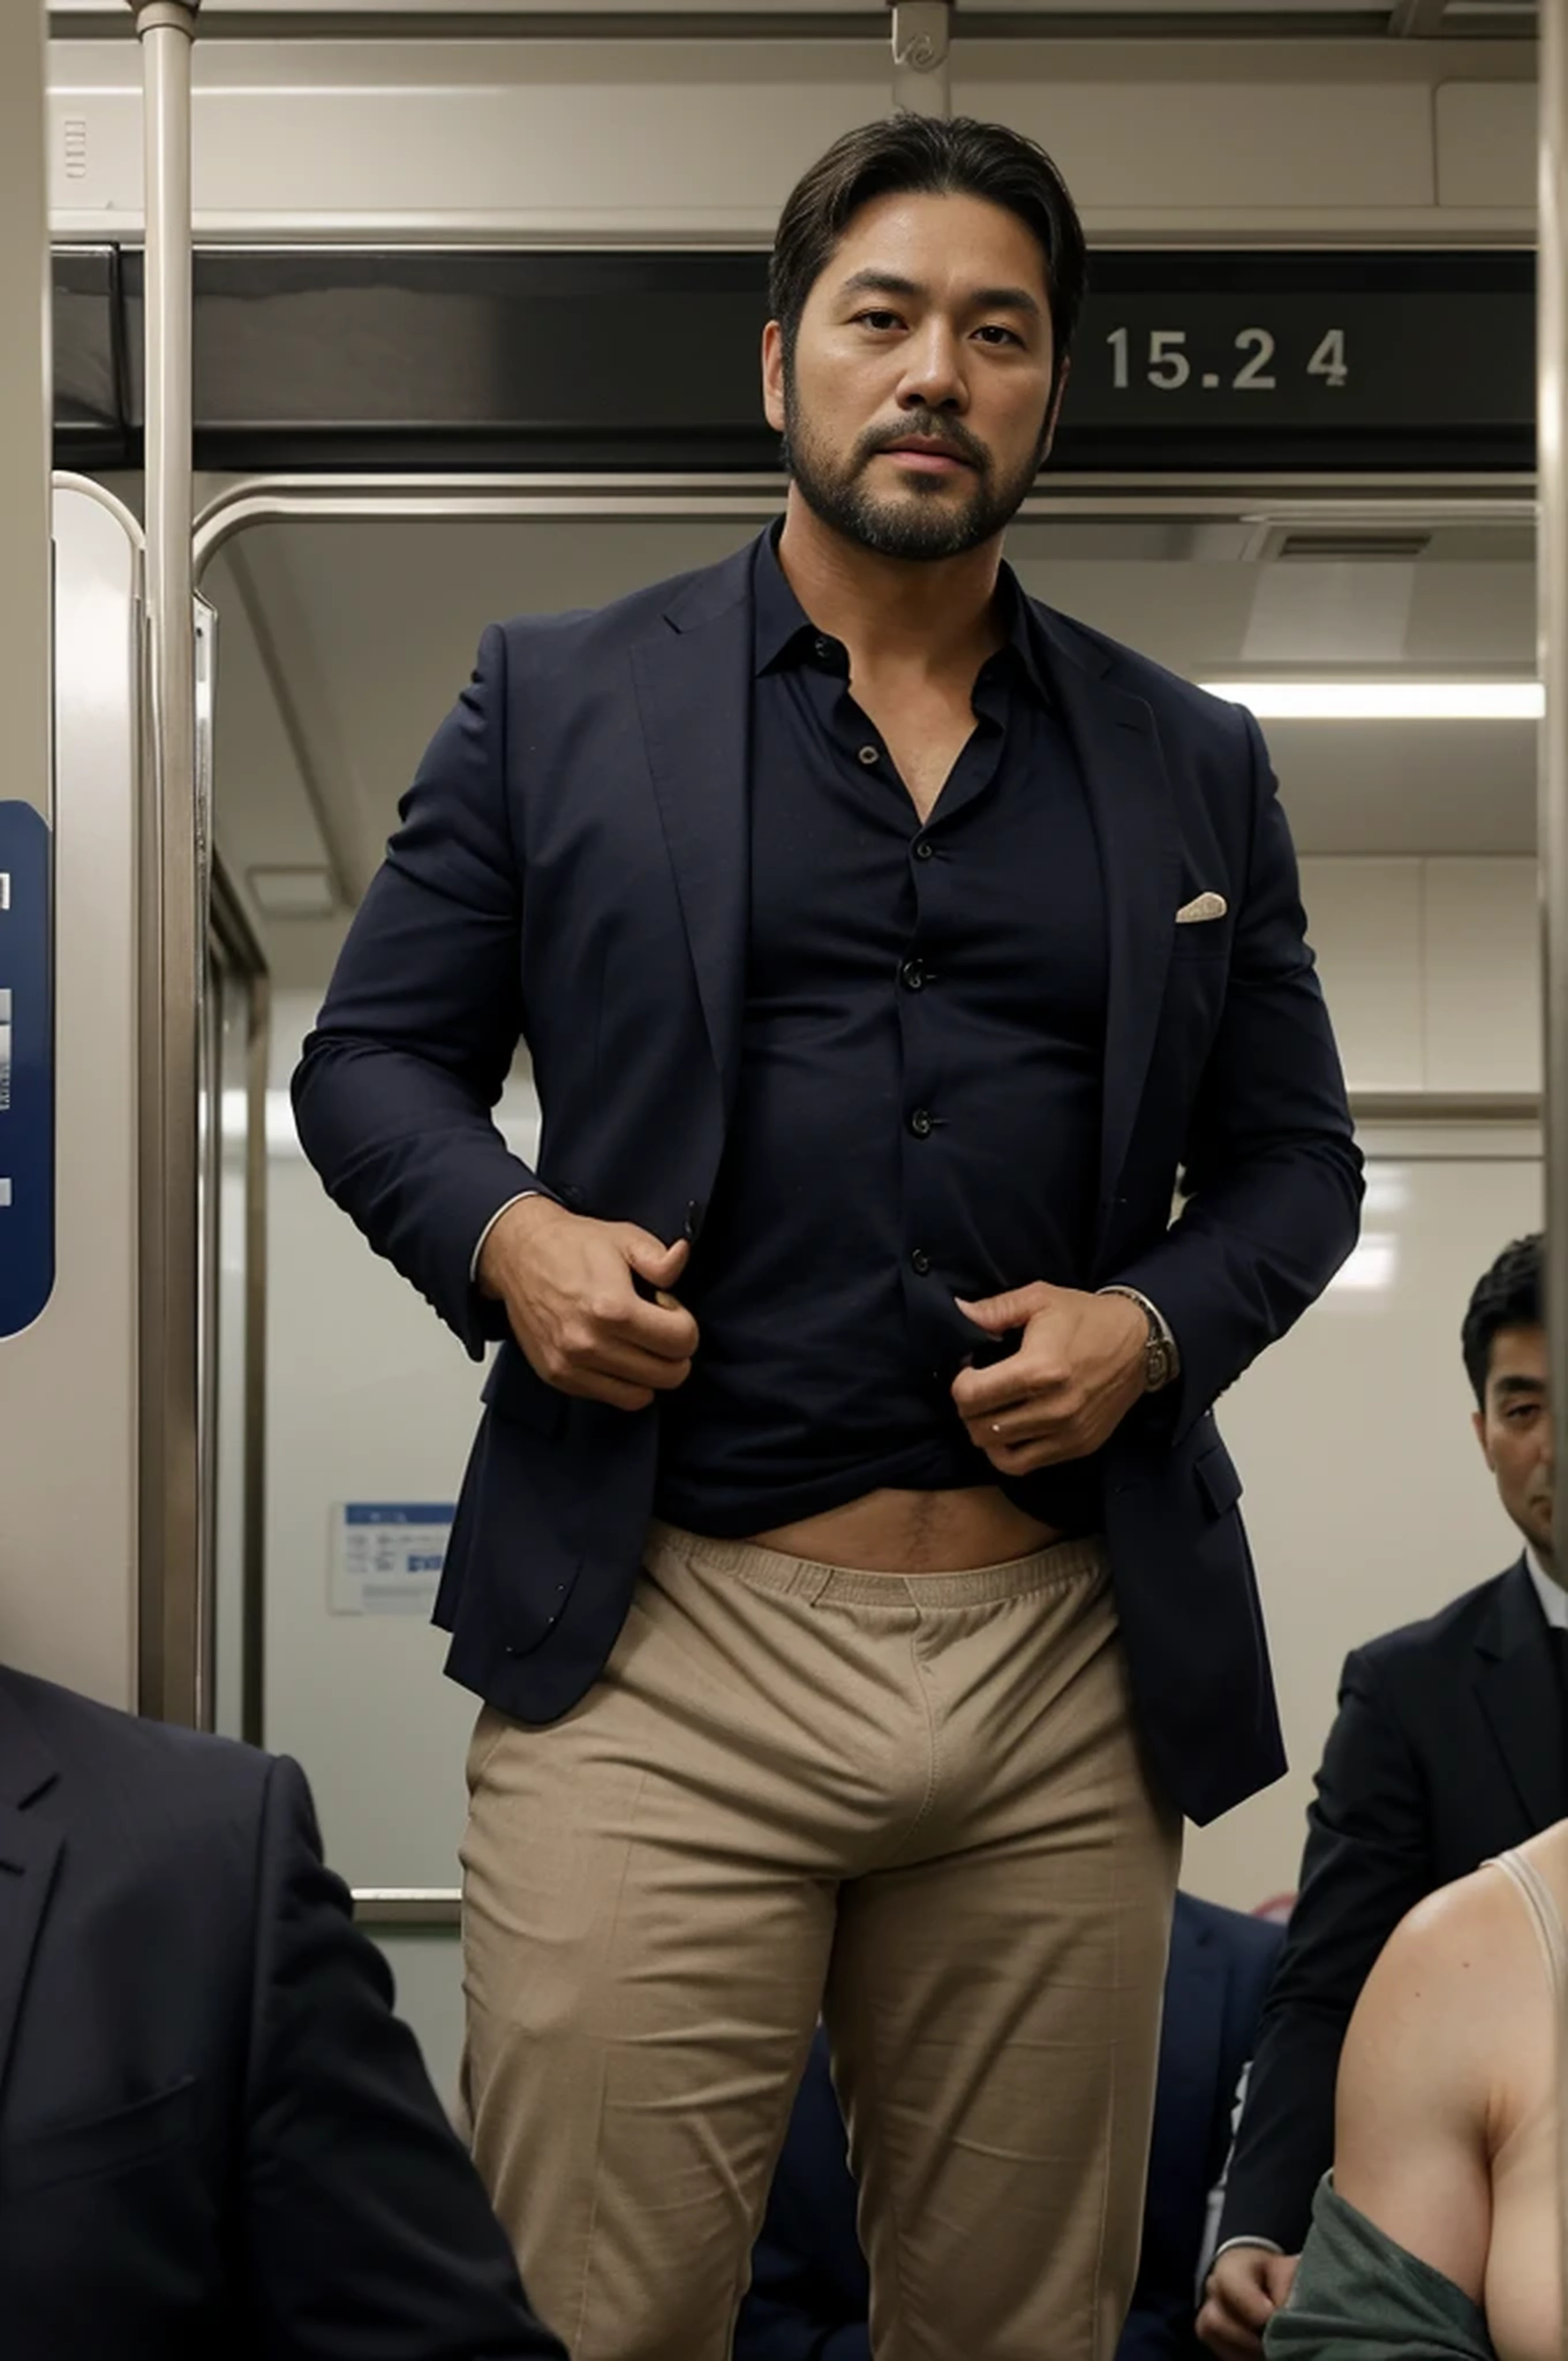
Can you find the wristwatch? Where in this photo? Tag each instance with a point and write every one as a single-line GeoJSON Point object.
{"type": "Point", "coordinates": [1162, 1363]}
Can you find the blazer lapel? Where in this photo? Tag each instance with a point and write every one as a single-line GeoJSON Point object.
{"type": "Point", "coordinates": [694, 697]}
{"type": "Point", "coordinates": [1130, 801]}
{"type": "Point", "coordinates": [1515, 1683]}
{"type": "Point", "coordinates": [29, 1855]}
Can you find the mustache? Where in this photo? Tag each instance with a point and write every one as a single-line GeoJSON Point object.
{"type": "Point", "coordinates": [945, 431]}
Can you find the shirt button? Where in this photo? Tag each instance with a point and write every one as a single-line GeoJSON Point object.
{"type": "Point", "coordinates": [920, 1261]}
{"type": "Point", "coordinates": [912, 975]}
{"type": "Point", "coordinates": [920, 1124]}
{"type": "Point", "coordinates": [823, 647]}
{"type": "Point", "coordinates": [924, 848]}
{"type": "Point", "coordinates": [869, 755]}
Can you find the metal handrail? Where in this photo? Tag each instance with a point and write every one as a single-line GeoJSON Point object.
{"type": "Point", "coordinates": [174, 1566]}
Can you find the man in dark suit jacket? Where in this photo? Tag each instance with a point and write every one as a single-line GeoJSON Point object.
{"type": "Point", "coordinates": [810, 2291]}
{"type": "Point", "coordinates": [215, 2138]}
{"type": "Point", "coordinates": [1451, 1745]}
{"type": "Point", "coordinates": [903, 940]}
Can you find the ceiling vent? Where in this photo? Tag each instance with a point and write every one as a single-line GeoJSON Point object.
{"type": "Point", "coordinates": [1394, 546]}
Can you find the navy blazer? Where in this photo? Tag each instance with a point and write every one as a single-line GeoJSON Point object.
{"type": "Point", "coordinates": [573, 871]}
{"type": "Point", "coordinates": [1450, 1744]}
{"type": "Point", "coordinates": [215, 2137]}
{"type": "Point", "coordinates": [810, 2289]}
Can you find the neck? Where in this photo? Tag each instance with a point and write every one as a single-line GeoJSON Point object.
{"type": "Point", "coordinates": [932, 615]}
{"type": "Point", "coordinates": [1544, 1559]}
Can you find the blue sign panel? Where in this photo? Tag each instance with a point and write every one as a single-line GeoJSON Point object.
{"type": "Point", "coordinates": [27, 1068]}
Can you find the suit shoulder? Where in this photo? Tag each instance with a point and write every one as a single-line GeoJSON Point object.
{"type": "Point", "coordinates": [581, 630]}
{"type": "Point", "coordinates": [1170, 697]}
{"type": "Point", "coordinates": [1451, 1631]}
{"type": "Point", "coordinates": [186, 1774]}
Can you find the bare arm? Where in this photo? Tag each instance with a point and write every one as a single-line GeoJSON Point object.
{"type": "Point", "coordinates": [1418, 2078]}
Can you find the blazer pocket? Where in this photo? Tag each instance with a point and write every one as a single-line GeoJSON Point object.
{"type": "Point", "coordinates": [118, 2142]}
{"type": "Point", "coordinates": [1202, 939]}
{"type": "Point", "coordinates": [1217, 1477]}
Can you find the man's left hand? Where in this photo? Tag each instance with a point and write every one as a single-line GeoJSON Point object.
{"type": "Point", "coordinates": [1074, 1377]}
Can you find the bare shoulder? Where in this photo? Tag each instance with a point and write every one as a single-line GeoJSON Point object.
{"type": "Point", "coordinates": [1442, 1975]}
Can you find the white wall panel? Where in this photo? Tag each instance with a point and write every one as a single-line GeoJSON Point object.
{"type": "Point", "coordinates": [1364, 922]}
{"type": "Point", "coordinates": [1481, 980]}
{"type": "Point", "coordinates": [1486, 141]}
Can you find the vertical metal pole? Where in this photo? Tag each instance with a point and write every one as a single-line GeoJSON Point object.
{"type": "Point", "coordinates": [173, 1587]}
{"type": "Point", "coordinates": [1551, 576]}
{"type": "Point", "coordinates": [922, 82]}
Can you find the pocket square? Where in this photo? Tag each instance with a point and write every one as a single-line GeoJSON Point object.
{"type": "Point", "coordinates": [1206, 906]}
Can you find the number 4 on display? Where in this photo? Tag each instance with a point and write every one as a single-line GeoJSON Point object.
{"type": "Point", "coordinates": [1329, 360]}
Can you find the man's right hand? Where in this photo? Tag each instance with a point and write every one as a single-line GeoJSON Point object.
{"type": "Point", "coordinates": [1243, 2291]}
{"type": "Point", "coordinates": [567, 1282]}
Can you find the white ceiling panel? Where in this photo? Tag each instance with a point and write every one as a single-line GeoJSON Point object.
{"type": "Point", "coordinates": [343, 643]}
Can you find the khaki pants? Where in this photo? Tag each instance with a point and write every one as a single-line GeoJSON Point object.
{"type": "Point", "coordinates": [913, 1802]}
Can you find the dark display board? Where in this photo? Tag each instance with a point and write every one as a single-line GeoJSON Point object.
{"type": "Point", "coordinates": [1264, 362]}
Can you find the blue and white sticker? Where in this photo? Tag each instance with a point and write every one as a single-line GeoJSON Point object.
{"type": "Point", "coordinates": [27, 1068]}
{"type": "Point", "coordinates": [387, 1556]}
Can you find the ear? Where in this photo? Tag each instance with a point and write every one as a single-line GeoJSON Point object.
{"type": "Point", "coordinates": [1478, 1421]}
{"type": "Point", "coordinates": [1064, 370]}
{"type": "Point", "coordinates": [774, 375]}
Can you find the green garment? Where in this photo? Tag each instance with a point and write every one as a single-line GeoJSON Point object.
{"type": "Point", "coordinates": [1358, 2296]}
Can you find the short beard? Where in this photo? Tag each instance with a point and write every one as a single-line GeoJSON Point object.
{"type": "Point", "coordinates": [918, 525]}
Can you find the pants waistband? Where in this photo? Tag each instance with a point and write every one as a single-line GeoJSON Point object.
{"type": "Point", "coordinates": [1063, 1563]}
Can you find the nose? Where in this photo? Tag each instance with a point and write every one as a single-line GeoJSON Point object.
{"type": "Point", "coordinates": [933, 371]}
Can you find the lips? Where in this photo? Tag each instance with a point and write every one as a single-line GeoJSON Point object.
{"type": "Point", "coordinates": [917, 449]}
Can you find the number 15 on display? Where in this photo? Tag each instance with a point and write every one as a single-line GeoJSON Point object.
{"type": "Point", "coordinates": [1168, 366]}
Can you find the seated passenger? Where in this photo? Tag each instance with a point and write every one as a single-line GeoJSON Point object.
{"type": "Point", "coordinates": [810, 2289]}
{"type": "Point", "coordinates": [1439, 2232]}
{"type": "Point", "coordinates": [216, 2141]}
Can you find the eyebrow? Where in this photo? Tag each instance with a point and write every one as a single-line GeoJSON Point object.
{"type": "Point", "coordinates": [984, 298]}
{"type": "Point", "coordinates": [1517, 1386]}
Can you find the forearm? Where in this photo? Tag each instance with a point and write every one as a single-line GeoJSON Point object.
{"type": "Point", "coordinates": [413, 1158]}
{"type": "Point", "coordinates": [1249, 1256]}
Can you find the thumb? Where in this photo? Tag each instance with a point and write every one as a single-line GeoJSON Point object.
{"type": "Point", "coordinates": [998, 1313]}
{"type": "Point", "coordinates": [1279, 2272]}
{"type": "Point", "coordinates": [653, 1260]}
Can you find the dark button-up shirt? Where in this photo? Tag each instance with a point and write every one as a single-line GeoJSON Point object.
{"type": "Point", "coordinates": [918, 1111]}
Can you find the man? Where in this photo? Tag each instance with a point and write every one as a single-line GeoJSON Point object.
{"type": "Point", "coordinates": [215, 2138]}
{"type": "Point", "coordinates": [884, 945]}
{"type": "Point", "coordinates": [1450, 1744]}
{"type": "Point", "coordinates": [809, 2289]}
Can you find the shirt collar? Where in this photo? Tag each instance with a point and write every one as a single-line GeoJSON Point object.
{"type": "Point", "coordinates": [1553, 1596]}
{"type": "Point", "coordinates": [779, 623]}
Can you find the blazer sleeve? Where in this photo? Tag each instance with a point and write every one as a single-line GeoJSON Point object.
{"type": "Point", "coordinates": [367, 2235]}
{"type": "Point", "coordinates": [1272, 1176]}
{"type": "Point", "coordinates": [1367, 1862]}
{"type": "Point", "coordinates": [395, 1088]}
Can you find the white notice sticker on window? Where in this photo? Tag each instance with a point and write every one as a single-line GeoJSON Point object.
{"type": "Point", "coordinates": [387, 1556]}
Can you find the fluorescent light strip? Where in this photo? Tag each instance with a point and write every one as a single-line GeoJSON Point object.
{"type": "Point", "coordinates": [1386, 701]}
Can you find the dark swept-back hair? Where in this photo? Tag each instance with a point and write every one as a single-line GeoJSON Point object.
{"type": "Point", "coordinates": [1510, 1296]}
{"type": "Point", "coordinates": [921, 155]}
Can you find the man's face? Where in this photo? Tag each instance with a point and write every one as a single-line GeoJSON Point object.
{"type": "Point", "coordinates": [1514, 1431]}
{"type": "Point", "coordinates": [932, 322]}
